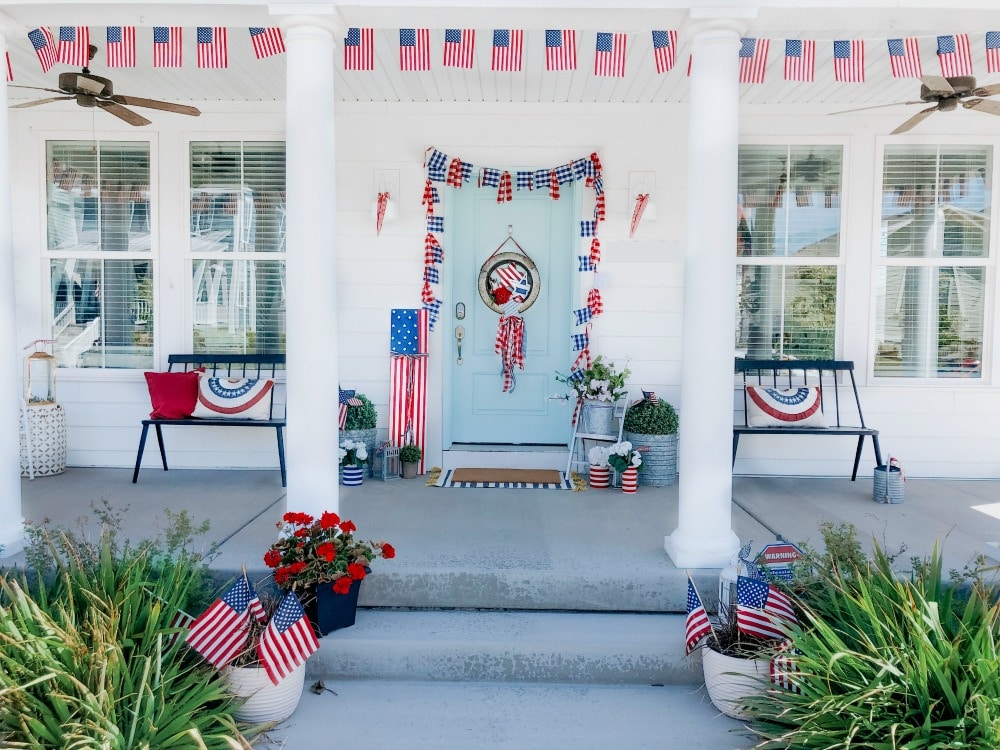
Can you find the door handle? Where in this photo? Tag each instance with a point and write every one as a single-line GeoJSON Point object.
{"type": "Point", "coordinates": [459, 335]}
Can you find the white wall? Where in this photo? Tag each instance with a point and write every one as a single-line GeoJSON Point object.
{"type": "Point", "coordinates": [936, 429]}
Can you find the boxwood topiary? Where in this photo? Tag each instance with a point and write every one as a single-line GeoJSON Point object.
{"type": "Point", "coordinates": [410, 454]}
{"type": "Point", "coordinates": [646, 418]}
{"type": "Point", "coordinates": [362, 417]}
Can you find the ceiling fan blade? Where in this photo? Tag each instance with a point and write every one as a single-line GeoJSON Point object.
{"type": "Point", "coordinates": [138, 101]}
{"type": "Point", "coordinates": [993, 88]}
{"type": "Point", "coordinates": [983, 105]}
{"type": "Point", "coordinates": [915, 120]}
{"type": "Point", "coordinates": [937, 85]}
{"type": "Point", "coordinates": [132, 118]}
{"type": "Point", "coordinates": [874, 106]}
{"type": "Point", "coordinates": [33, 88]}
{"type": "Point", "coordinates": [41, 101]}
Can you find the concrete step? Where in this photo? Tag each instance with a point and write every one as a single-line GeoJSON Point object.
{"type": "Point", "coordinates": [496, 646]}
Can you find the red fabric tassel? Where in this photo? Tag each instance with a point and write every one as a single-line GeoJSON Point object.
{"type": "Point", "coordinates": [455, 173]}
{"type": "Point", "coordinates": [599, 210]}
{"type": "Point", "coordinates": [597, 161]}
{"type": "Point", "coordinates": [595, 251]}
{"type": "Point", "coordinates": [594, 302]}
{"type": "Point", "coordinates": [505, 193]}
{"type": "Point", "coordinates": [553, 185]}
{"type": "Point", "coordinates": [428, 199]}
{"type": "Point", "coordinates": [427, 294]}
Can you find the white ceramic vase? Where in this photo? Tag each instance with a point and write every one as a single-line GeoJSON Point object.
{"type": "Point", "coordinates": [265, 701]}
{"type": "Point", "coordinates": [731, 679]}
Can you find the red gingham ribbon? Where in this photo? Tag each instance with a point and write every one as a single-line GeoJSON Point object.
{"type": "Point", "coordinates": [583, 361]}
{"type": "Point", "coordinates": [553, 185]}
{"type": "Point", "coordinates": [594, 302]}
{"type": "Point", "coordinates": [595, 251]}
{"type": "Point", "coordinates": [504, 193]}
{"type": "Point", "coordinates": [427, 294]}
{"type": "Point", "coordinates": [599, 210]}
{"type": "Point", "coordinates": [383, 201]}
{"type": "Point", "coordinates": [455, 173]}
{"type": "Point", "coordinates": [597, 161]}
{"type": "Point", "coordinates": [510, 346]}
{"type": "Point", "coordinates": [428, 199]}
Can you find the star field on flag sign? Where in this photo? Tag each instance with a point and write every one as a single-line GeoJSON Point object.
{"type": "Point", "coordinates": [404, 332]}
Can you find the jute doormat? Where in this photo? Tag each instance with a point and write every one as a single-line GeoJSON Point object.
{"type": "Point", "coordinates": [538, 479]}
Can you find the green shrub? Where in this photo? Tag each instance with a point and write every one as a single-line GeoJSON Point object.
{"type": "Point", "coordinates": [645, 418]}
{"type": "Point", "coordinates": [410, 454]}
{"type": "Point", "coordinates": [889, 661]}
{"type": "Point", "coordinates": [363, 417]}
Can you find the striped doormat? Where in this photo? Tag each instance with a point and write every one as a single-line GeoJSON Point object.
{"type": "Point", "coordinates": [521, 479]}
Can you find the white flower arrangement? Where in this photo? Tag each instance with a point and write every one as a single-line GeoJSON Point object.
{"type": "Point", "coordinates": [353, 453]}
{"type": "Point", "coordinates": [598, 456]}
{"type": "Point", "coordinates": [622, 456]}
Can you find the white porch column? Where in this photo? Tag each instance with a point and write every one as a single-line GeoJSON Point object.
{"type": "Point", "coordinates": [704, 537]}
{"type": "Point", "coordinates": [311, 296]}
{"type": "Point", "coordinates": [10, 455]}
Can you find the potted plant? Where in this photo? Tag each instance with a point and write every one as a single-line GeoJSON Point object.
{"type": "Point", "coordinates": [322, 561]}
{"type": "Point", "coordinates": [597, 387]}
{"type": "Point", "coordinates": [599, 469]}
{"type": "Point", "coordinates": [409, 457]}
{"type": "Point", "coordinates": [353, 455]}
{"type": "Point", "coordinates": [651, 426]}
{"type": "Point", "coordinates": [360, 425]}
{"type": "Point", "coordinates": [627, 461]}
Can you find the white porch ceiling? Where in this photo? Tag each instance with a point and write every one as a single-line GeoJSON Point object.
{"type": "Point", "coordinates": [250, 80]}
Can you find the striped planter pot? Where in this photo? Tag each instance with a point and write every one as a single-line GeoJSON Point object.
{"type": "Point", "coordinates": [352, 476]}
{"type": "Point", "coordinates": [600, 477]}
{"type": "Point", "coordinates": [630, 480]}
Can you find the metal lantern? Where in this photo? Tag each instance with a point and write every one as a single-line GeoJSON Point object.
{"type": "Point", "coordinates": [40, 375]}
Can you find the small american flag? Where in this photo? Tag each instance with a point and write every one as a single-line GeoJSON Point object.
{"type": "Point", "coordinates": [180, 620]}
{"type": "Point", "coordinates": [904, 58]}
{"type": "Point", "coordinates": [359, 49]}
{"type": "Point", "coordinates": [266, 41]}
{"type": "Point", "coordinates": [753, 59]}
{"type": "Point", "coordinates": [220, 632]}
{"type": "Point", "coordinates": [654, 400]}
{"type": "Point", "coordinates": [524, 181]}
{"type": "Point", "coordinates": [74, 45]}
{"type": "Point", "coordinates": [167, 46]}
{"type": "Point", "coordinates": [581, 316]}
{"type": "Point", "coordinates": [761, 609]}
{"type": "Point", "coordinates": [800, 60]}
{"type": "Point", "coordinates": [45, 47]}
{"type": "Point", "coordinates": [414, 49]}
{"type": "Point", "coordinates": [212, 50]}
{"type": "Point", "coordinates": [346, 400]}
{"type": "Point", "coordinates": [560, 49]}
{"type": "Point", "coordinates": [954, 55]}
{"type": "Point", "coordinates": [459, 48]}
{"type": "Point", "coordinates": [609, 55]}
{"type": "Point", "coordinates": [993, 51]}
{"type": "Point", "coordinates": [508, 49]}
{"type": "Point", "coordinates": [121, 46]}
{"type": "Point", "coordinates": [697, 625]}
{"type": "Point", "coordinates": [849, 60]}
{"type": "Point", "coordinates": [288, 639]}
{"type": "Point", "coordinates": [784, 667]}
{"type": "Point", "coordinates": [664, 49]}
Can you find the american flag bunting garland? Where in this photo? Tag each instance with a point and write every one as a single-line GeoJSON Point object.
{"type": "Point", "coordinates": [44, 46]}
{"type": "Point", "coordinates": [904, 58]}
{"type": "Point", "coordinates": [288, 639]}
{"type": "Point", "coordinates": [74, 46]}
{"type": "Point", "coordinates": [849, 60]}
{"type": "Point", "coordinates": [993, 51]}
{"type": "Point", "coordinates": [753, 59]}
{"type": "Point", "coordinates": [459, 48]}
{"type": "Point", "coordinates": [266, 41]}
{"type": "Point", "coordinates": [609, 54]}
{"type": "Point", "coordinates": [220, 632]}
{"type": "Point", "coordinates": [212, 48]}
{"type": "Point", "coordinates": [359, 49]}
{"type": "Point", "coordinates": [560, 49]}
{"type": "Point", "coordinates": [697, 624]}
{"type": "Point", "coordinates": [664, 50]}
{"type": "Point", "coordinates": [10, 70]}
{"type": "Point", "coordinates": [800, 60]}
{"type": "Point", "coordinates": [954, 55]}
{"type": "Point", "coordinates": [414, 49]}
{"type": "Point", "coordinates": [508, 49]}
{"type": "Point", "coordinates": [120, 46]}
{"type": "Point", "coordinates": [167, 46]}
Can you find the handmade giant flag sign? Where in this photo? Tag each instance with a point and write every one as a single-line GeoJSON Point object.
{"type": "Point", "coordinates": [904, 58]}
{"type": "Point", "coordinates": [74, 45]}
{"type": "Point", "coordinates": [459, 48]}
{"type": "Point", "coordinates": [664, 49]}
{"type": "Point", "coordinates": [993, 51]}
{"type": "Point", "coordinates": [762, 610]}
{"type": "Point", "coordinates": [849, 60]}
{"type": "Point", "coordinates": [954, 55]}
{"type": "Point", "coordinates": [359, 49]}
{"type": "Point", "coordinates": [609, 55]}
{"type": "Point", "coordinates": [45, 47]}
{"type": "Point", "coordinates": [220, 632]}
{"type": "Point", "coordinates": [414, 49]}
{"type": "Point", "coordinates": [121, 46]}
{"type": "Point", "coordinates": [288, 639]}
{"type": "Point", "coordinates": [212, 50]}
{"type": "Point", "coordinates": [560, 49]}
{"type": "Point", "coordinates": [508, 49]}
{"type": "Point", "coordinates": [785, 407]}
{"type": "Point", "coordinates": [753, 59]}
{"type": "Point", "coordinates": [697, 625]}
{"type": "Point", "coordinates": [167, 46]}
{"type": "Point", "coordinates": [408, 335]}
{"type": "Point", "coordinates": [266, 42]}
{"type": "Point", "coordinates": [800, 59]}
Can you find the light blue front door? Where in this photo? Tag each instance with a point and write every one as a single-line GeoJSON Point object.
{"type": "Point", "coordinates": [477, 409]}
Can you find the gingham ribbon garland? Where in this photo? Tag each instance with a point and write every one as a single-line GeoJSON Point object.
{"type": "Point", "coordinates": [510, 346]}
{"type": "Point", "coordinates": [553, 185]}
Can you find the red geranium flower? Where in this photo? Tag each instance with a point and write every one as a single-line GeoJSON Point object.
{"type": "Point", "coordinates": [301, 533]}
{"type": "Point", "coordinates": [281, 575]}
{"type": "Point", "coordinates": [296, 567]}
{"type": "Point", "coordinates": [388, 551]}
{"type": "Point", "coordinates": [342, 585]}
{"type": "Point", "coordinates": [272, 558]}
{"type": "Point", "coordinates": [327, 551]}
{"type": "Point", "coordinates": [348, 527]}
{"type": "Point", "coordinates": [356, 571]}
{"type": "Point", "coordinates": [328, 520]}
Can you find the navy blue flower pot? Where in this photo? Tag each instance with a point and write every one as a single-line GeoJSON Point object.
{"type": "Point", "coordinates": [328, 611]}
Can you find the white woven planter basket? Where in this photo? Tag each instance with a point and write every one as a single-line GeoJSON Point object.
{"type": "Point", "coordinates": [730, 679]}
{"type": "Point", "coordinates": [265, 700]}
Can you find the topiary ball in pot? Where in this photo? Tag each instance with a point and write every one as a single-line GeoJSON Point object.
{"type": "Point", "coordinates": [360, 425]}
{"type": "Point", "coordinates": [652, 428]}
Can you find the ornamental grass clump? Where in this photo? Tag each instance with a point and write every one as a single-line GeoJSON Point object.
{"type": "Point", "coordinates": [893, 661]}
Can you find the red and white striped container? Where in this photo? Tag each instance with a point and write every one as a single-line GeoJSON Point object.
{"type": "Point", "coordinates": [630, 480]}
{"type": "Point", "coordinates": [600, 477]}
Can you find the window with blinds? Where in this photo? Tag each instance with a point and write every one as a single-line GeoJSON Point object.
{"type": "Point", "coordinates": [788, 251]}
{"type": "Point", "coordinates": [933, 253]}
{"type": "Point", "coordinates": [237, 222]}
{"type": "Point", "coordinates": [99, 245]}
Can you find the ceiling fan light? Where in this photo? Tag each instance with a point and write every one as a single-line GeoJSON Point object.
{"type": "Point", "coordinates": [89, 85]}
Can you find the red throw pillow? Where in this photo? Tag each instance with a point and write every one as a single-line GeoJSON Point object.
{"type": "Point", "coordinates": [172, 394]}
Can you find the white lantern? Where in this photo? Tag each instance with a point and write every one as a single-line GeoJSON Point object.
{"type": "Point", "coordinates": [40, 375]}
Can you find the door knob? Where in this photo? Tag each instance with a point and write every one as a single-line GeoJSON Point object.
{"type": "Point", "coordinates": [459, 335]}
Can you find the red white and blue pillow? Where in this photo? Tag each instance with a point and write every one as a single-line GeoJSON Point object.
{"type": "Point", "coordinates": [234, 398]}
{"type": "Point", "coordinates": [788, 407]}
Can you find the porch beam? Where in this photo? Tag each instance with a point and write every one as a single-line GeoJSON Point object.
{"type": "Point", "coordinates": [704, 537]}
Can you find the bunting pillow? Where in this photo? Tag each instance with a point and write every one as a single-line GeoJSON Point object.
{"type": "Point", "coordinates": [791, 407]}
{"type": "Point", "coordinates": [234, 398]}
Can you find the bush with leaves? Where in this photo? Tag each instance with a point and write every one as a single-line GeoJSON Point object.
{"type": "Point", "coordinates": [363, 417]}
{"type": "Point", "coordinates": [88, 656]}
{"type": "Point", "coordinates": [651, 418]}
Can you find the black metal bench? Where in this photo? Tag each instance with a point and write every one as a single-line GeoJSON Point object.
{"type": "Point", "coordinates": [220, 365]}
{"type": "Point", "coordinates": [832, 377]}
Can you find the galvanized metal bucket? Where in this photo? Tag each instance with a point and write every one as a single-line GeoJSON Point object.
{"type": "Point", "coordinates": [887, 486]}
{"type": "Point", "coordinates": [659, 458]}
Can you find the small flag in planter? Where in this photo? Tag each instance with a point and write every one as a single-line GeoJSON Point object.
{"type": "Point", "coordinates": [288, 640]}
{"type": "Point", "coordinates": [220, 632]}
{"type": "Point", "coordinates": [697, 625]}
{"type": "Point", "coordinates": [347, 398]}
{"type": "Point", "coordinates": [762, 610]}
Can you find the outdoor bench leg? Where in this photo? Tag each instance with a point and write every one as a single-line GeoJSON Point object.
{"type": "Point", "coordinates": [163, 453]}
{"type": "Point", "coordinates": [138, 456]}
{"type": "Point", "coordinates": [736, 442]}
{"type": "Point", "coordinates": [857, 457]}
{"type": "Point", "coordinates": [281, 456]}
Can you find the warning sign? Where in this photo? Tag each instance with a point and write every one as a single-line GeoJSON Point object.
{"type": "Point", "coordinates": [776, 558]}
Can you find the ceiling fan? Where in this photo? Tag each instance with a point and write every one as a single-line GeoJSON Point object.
{"type": "Point", "coordinates": [91, 90]}
{"type": "Point", "coordinates": [945, 94]}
